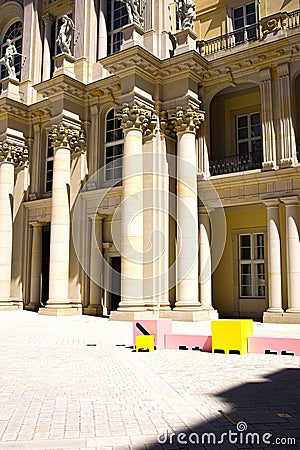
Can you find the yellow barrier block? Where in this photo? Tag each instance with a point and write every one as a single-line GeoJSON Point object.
{"type": "Point", "coordinates": [144, 342]}
{"type": "Point", "coordinates": [230, 335]}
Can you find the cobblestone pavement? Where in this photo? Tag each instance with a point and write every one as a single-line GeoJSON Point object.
{"type": "Point", "coordinates": [75, 383]}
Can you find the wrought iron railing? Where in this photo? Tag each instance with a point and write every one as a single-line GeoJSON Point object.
{"type": "Point", "coordinates": [247, 34]}
{"type": "Point", "coordinates": [235, 163]}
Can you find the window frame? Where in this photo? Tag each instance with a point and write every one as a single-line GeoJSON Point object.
{"type": "Point", "coordinates": [253, 262]}
{"type": "Point", "coordinates": [233, 5]}
{"type": "Point", "coordinates": [111, 166]}
{"type": "Point", "coordinates": [17, 58]}
{"type": "Point", "coordinates": [48, 160]}
{"type": "Point", "coordinates": [113, 31]}
{"type": "Point", "coordinates": [250, 140]}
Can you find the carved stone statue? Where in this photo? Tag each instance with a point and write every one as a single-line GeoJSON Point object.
{"type": "Point", "coordinates": [187, 14]}
{"type": "Point", "coordinates": [133, 9]}
{"type": "Point", "coordinates": [65, 35]}
{"type": "Point", "coordinates": [8, 59]}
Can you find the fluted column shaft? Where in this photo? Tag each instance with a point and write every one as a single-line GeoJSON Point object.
{"type": "Point", "coordinates": [186, 122]}
{"type": "Point", "coordinates": [205, 261]}
{"type": "Point", "coordinates": [274, 256]}
{"type": "Point", "coordinates": [36, 265]}
{"type": "Point", "coordinates": [267, 120]}
{"type": "Point", "coordinates": [292, 253]}
{"type": "Point", "coordinates": [10, 156]}
{"type": "Point", "coordinates": [64, 140]}
{"type": "Point", "coordinates": [95, 265]}
{"type": "Point", "coordinates": [287, 134]}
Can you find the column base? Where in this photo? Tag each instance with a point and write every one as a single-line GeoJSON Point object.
{"type": "Point", "coordinates": [93, 310]}
{"type": "Point", "coordinates": [49, 311]}
{"type": "Point", "coordinates": [194, 316]}
{"type": "Point", "coordinates": [128, 316]}
{"type": "Point", "coordinates": [286, 162]}
{"type": "Point", "coordinates": [9, 305]}
{"type": "Point", "coordinates": [284, 317]}
{"type": "Point", "coordinates": [32, 307]}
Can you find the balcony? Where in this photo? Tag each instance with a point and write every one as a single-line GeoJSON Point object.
{"type": "Point", "coordinates": [236, 163]}
{"type": "Point", "coordinates": [255, 32]}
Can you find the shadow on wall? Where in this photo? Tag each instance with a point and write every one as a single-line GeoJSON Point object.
{"type": "Point", "coordinates": [260, 414]}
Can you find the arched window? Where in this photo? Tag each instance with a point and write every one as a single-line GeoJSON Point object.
{"type": "Point", "coordinates": [117, 18]}
{"type": "Point", "coordinates": [15, 34]}
{"type": "Point", "coordinates": [114, 141]}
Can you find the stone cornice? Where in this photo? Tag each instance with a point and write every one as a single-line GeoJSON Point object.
{"type": "Point", "coordinates": [62, 85]}
{"type": "Point", "coordinates": [12, 107]}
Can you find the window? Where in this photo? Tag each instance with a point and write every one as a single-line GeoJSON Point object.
{"type": "Point", "coordinates": [114, 140]}
{"type": "Point", "coordinates": [252, 265]}
{"type": "Point", "coordinates": [117, 18]}
{"type": "Point", "coordinates": [14, 33]}
{"type": "Point", "coordinates": [49, 167]}
{"type": "Point", "coordinates": [244, 19]}
{"type": "Point", "coordinates": [249, 138]}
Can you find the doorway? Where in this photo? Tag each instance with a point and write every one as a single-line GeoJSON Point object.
{"type": "Point", "coordinates": [115, 295]}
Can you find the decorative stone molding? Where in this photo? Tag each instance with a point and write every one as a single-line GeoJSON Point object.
{"type": "Point", "coordinates": [48, 18]}
{"type": "Point", "coordinates": [71, 138]}
{"type": "Point", "coordinates": [137, 116]}
{"type": "Point", "coordinates": [15, 154]}
{"type": "Point", "coordinates": [186, 119]}
{"type": "Point", "coordinates": [274, 23]}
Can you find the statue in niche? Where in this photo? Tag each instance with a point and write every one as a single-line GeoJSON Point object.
{"type": "Point", "coordinates": [8, 59]}
{"type": "Point", "coordinates": [65, 35]}
{"type": "Point", "coordinates": [187, 14]}
{"type": "Point", "coordinates": [133, 9]}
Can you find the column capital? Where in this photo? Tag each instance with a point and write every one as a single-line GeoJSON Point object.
{"type": "Point", "coordinates": [283, 70]}
{"type": "Point", "coordinates": [48, 18]}
{"type": "Point", "coordinates": [292, 200]}
{"type": "Point", "coordinates": [136, 116]}
{"type": "Point", "coordinates": [36, 224]}
{"type": "Point", "coordinates": [62, 135]}
{"type": "Point", "coordinates": [271, 202]}
{"type": "Point", "coordinates": [265, 74]}
{"type": "Point", "coordinates": [186, 119]}
{"type": "Point", "coordinates": [14, 154]}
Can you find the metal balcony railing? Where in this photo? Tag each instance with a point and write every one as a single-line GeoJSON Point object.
{"type": "Point", "coordinates": [235, 163]}
{"type": "Point", "coordinates": [242, 35]}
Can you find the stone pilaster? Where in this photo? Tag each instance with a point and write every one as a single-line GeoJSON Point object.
{"type": "Point", "coordinates": [186, 122]}
{"type": "Point", "coordinates": [96, 267]}
{"type": "Point", "coordinates": [11, 156]}
{"type": "Point", "coordinates": [274, 258]}
{"type": "Point", "coordinates": [135, 120]}
{"type": "Point", "coordinates": [288, 157]}
{"type": "Point", "coordinates": [36, 267]}
{"type": "Point", "coordinates": [268, 132]}
{"type": "Point", "coordinates": [47, 19]}
{"type": "Point", "coordinates": [292, 253]}
{"type": "Point", "coordinates": [65, 141]}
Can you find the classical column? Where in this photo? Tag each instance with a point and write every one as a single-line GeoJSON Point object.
{"type": "Point", "coordinates": [292, 253]}
{"type": "Point", "coordinates": [274, 257]}
{"type": "Point", "coordinates": [95, 306]}
{"type": "Point", "coordinates": [36, 266]}
{"type": "Point", "coordinates": [186, 122]}
{"type": "Point", "coordinates": [203, 159]}
{"type": "Point", "coordinates": [134, 118]}
{"type": "Point", "coordinates": [288, 155]}
{"type": "Point", "coordinates": [48, 19]}
{"type": "Point", "coordinates": [267, 120]}
{"type": "Point", "coordinates": [10, 156]}
{"type": "Point", "coordinates": [65, 140]}
{"type": "Point", "coordinates": [205, 260]}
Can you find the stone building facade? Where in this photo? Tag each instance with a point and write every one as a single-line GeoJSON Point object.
{"type": "Point", "coordinates": [149, 166]}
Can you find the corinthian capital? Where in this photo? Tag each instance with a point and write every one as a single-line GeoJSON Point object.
{"type": "Point", "coordinates": [136, 116]}
{"type": "Point", "coordinates": [186, 119]}
{"type": "Point", "coordinates": [14, 154]}
{"type": "Point", "coordinates": [71, 138]}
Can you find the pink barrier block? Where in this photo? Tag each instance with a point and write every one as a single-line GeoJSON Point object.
{"type": "Point", "coordinates": [156, 327]}
{"type": "Point", "coordinates": [188, 340]}
{"type": "Point", "coordinates": [261, 344]}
